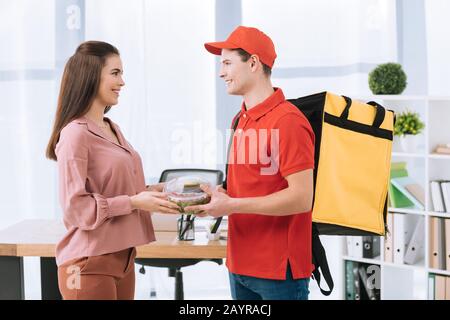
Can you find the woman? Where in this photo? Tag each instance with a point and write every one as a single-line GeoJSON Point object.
{"type": "Point", "coordinates": [101, 181]}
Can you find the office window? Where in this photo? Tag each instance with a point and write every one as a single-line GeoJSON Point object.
{"type": "Point", "coordinates": [169, 97]}
{"type": "Point", "coordinates": [325, 44]}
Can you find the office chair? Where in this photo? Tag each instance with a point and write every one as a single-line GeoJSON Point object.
{"type": "Point", "coordinates": [215, 177]}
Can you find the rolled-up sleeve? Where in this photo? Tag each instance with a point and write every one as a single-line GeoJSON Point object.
{"type": "Point", "coordinates": [82, 209]}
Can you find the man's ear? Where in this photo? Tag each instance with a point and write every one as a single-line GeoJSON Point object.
{"type": "Point", "coordinates": [254, 60]}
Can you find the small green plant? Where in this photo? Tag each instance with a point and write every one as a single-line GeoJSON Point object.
{"type": "Point", "coordinates": [408, 122]}
{"type": "Point", "coordinates": [387, 78]}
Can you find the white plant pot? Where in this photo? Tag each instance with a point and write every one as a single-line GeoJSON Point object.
{"type": "Point", "coordinates": [408, 143]}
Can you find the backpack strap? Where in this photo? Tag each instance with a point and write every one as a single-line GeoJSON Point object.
{"type": "Point", "coordinates": [224, 183]}
{"type": "Point", "coordinates": [235, 124]}
{"type": "Point", "coordinates": [320, 262]}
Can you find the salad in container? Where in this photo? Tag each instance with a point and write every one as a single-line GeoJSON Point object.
{"type": "Point", "coordinates": [185, 191]}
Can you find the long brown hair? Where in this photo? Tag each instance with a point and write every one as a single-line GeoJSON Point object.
{"type": "Point", "coordinates": [79, 86]}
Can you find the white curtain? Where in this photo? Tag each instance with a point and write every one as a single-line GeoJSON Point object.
{"type": "Point", "coordinates": [168, 101]}
{"type": "Point", "coordinates": [166, 110]}
{"type": "Point", "coordinates": [27, 93]}
{"type": "Point", "coordinates": [325, 44]}
{"type": "Point", "coordinates": [438, 46]}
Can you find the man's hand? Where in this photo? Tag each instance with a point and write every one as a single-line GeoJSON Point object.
{"type": "Point", "coordinates": [220, 205]}
{"type": "Point", "coordinates": [221, 189]}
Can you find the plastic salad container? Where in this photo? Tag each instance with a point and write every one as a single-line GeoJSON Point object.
{"type": "Point", "coordinates": [185, 191]}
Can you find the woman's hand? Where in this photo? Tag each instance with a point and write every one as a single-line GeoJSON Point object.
{"type": "Point", "coordinates": [159, 187]}
{"type": "Point", "coordinates": [154, 202]}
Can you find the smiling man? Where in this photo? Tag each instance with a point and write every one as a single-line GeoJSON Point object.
{"type": "Point", "coordinates": [270, 177]}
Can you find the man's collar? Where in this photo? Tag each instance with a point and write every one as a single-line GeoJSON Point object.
{"type": "Point", "coordinates": [264, 107]}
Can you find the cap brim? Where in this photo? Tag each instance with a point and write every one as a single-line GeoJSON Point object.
{"type": "Point", "coordinates": [216, 47]}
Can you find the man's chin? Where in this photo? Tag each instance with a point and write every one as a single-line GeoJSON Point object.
{"type": "Point", "coordinates": [232, 92]}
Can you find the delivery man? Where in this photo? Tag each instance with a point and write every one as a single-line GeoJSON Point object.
{"type": "Point", "coordinates": [270, 177]}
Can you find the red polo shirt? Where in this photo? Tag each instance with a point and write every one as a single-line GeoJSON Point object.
{"type": "Point", "coordinates": [260, 245]}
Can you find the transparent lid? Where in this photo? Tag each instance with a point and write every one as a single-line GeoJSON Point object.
{"type": "Point", "coordinates": [185, 191]}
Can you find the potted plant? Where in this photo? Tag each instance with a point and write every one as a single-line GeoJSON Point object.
{"type": "Point", "coordinates": [387, 78]}
{"type": "Point", "coordinates": [407, 126]}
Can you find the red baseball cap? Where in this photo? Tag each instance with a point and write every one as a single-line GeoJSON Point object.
{"type": "Point", "coordinates": [249, 39]}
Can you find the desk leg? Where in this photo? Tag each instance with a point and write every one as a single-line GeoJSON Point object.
{"type": "Point", "coordinates": [11, 278]}
{"type": "Point", "coordinates": [179, 292]}
{"type": "Point", "coordinates": [49, 279]}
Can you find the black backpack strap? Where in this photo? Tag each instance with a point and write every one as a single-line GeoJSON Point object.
{"type": "Point", "coordinates": [224, 183]}
{"type": "Point", "coordinates": [320, 262]}
{"type": "Point", "coordinates": [235, 124]}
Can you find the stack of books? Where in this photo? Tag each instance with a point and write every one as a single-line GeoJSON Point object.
{"type": "Point", "coordinates": [442, 149]}
{"type": "Point", "coordinates": [404, 192]}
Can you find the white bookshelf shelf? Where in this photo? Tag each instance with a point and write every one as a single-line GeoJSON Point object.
{"type": "Point", "coordinates": [400, 97]}
{"type": "Point", "coordinates": [364, 260]}
{"type": "Point", "coordinates": [439, 98]}
{"type": "Point", "coordinates": [393, 97]}
{"type": "Point", "coordinates": [439, 156]}
{"type": "Point", "coordinates": [408, 211]}
{"type": "Point", "coordinates": [419, 265]}
{"type": "Point", "coordinates": [438, 271]}
{"type": "Point", "coordinates": [402, 281]}
{"type": "Point", "coordinates": [408, 155]}
{"type": "Point", "coordinates": [439, 214]}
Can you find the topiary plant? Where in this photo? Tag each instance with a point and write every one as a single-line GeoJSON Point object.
{"type": "Point", "coordinates": [387, 78]}
{"type": "Point", "coordinates": [408, 122]}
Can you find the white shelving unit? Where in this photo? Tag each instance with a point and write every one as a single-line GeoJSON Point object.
{"type": "Point", "coordinates": [401, 281]}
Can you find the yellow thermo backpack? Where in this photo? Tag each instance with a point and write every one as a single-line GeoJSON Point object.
{"type": "Point", "coordinates": [352, 159]}
{"type": "Point", "coordinates": [353, 143]}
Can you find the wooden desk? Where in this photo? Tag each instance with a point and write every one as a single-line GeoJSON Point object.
{"type": "Point", "coordinates": [38, 238]}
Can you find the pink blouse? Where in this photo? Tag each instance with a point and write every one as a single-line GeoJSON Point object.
{"type": "Point", "coordinates": [96, 179]}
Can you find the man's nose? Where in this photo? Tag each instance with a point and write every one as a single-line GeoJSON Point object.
{"type": "Point", "coordinates": [221, 73]}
